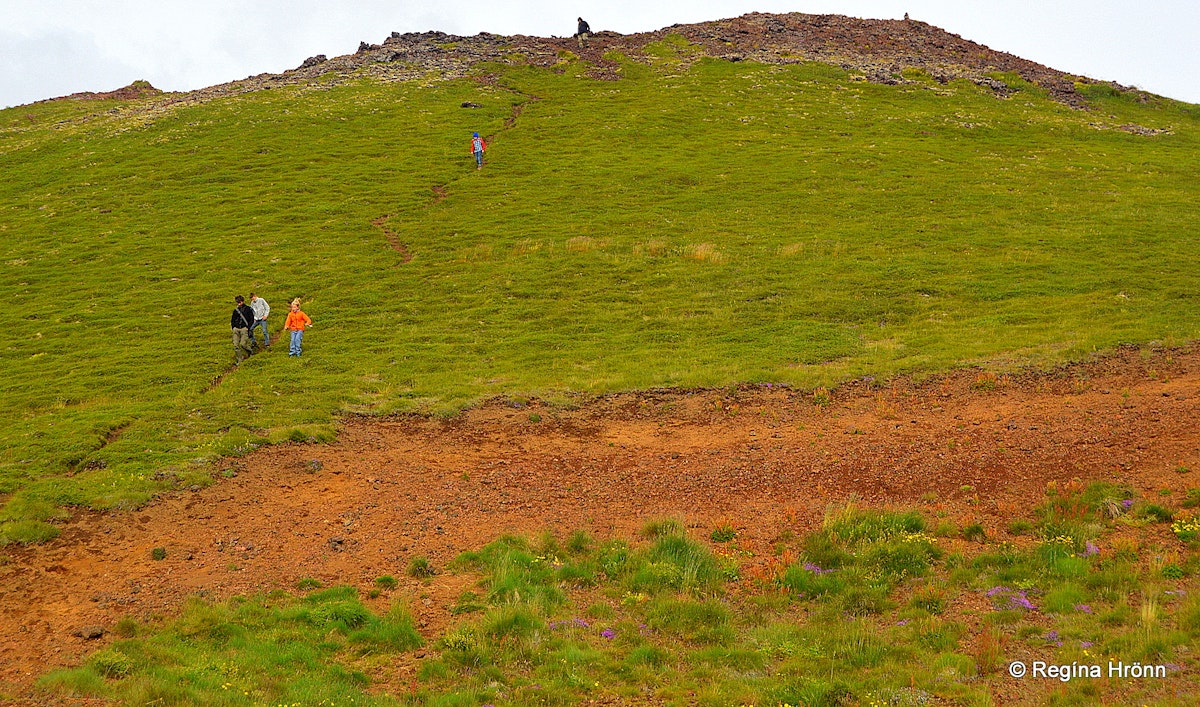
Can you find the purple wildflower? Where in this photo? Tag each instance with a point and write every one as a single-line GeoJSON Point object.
{"type": "Point", "coordinates": [1052, 635]}
{"type": "Point", "coordinates": [1021, 601]}
{"type": "Point", "coordinates": [1011, 598]}
{"type": "Point", "coordinates": [1090, 549]}
{"type": "Point", "coordinates": [902, 622]}
{"type": "Point", "coordinates": [581, 623]}
{"type": "Point", "coordinates": [1127, 504]}
{"type": "Point", "coordinates": [815, 569]}
{"type": "Point", "coordinates": [608, 633]}
{"type": "Point", "coordinates": [1083, 608]}
{"type": "Point", "coordinates": [1086, 644]}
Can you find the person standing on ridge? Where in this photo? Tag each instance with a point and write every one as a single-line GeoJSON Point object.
{"type": "Point", "coordinates": [261, 311]}
{"type": "Point", "coordinates": [240, 322]}
{"type": "Point", "coordinates": [477, 148]}
{"type": "Point", "coordinates": [297, 322]}
{"type": "Point", "coordinates": [582, 30]}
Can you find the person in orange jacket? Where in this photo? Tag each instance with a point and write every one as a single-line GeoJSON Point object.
{"type": "Point", "coordinates": [477, 148]}
{"type": "Point", "coordinates": [296, 323]}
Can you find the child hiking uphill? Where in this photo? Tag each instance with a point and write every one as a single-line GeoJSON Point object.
{"type": "Point", "coordinates": [297, 322]}
{"type": "Point", "coordinates": [477, 148]}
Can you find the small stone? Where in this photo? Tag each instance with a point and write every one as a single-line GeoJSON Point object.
{"type": "Point", "coordinates": [89, 633]}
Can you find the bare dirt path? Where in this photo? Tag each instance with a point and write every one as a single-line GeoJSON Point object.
{"type": "Point", "coordinates": [766, 459]}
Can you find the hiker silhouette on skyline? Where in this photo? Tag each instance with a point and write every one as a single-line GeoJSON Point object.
{"type": "Point", "coordinates": [582, 31]}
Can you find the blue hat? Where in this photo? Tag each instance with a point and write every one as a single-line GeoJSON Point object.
{"type": "Point", "coordinates": [475, 135]}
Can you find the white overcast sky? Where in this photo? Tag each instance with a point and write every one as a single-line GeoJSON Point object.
{"type": "Point", "coordinates": [52, 48]}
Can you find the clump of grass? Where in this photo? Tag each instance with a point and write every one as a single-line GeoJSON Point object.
{"type": "Point", "coordinates": [1065, 599]}
{"type": "Point", "coordinates": [930, 598]}
{"type": "Point", "coordinates": [27, 532]}
{"type": "Point", "coordinates": [945, 529]}
{"type": "Point", "coordinates": [677, 563]}
{"type": "Point", "coordinates": [126, 627]}
{"type": "Point", "coordinates": [704, 252]}
{"type": "Point", "coordinates": [386, 582]}
{"type": "Point", "coordinates": [420, 568]}
{"type": "Point", "coordinates": [661, 528]}
{"type": "Point", "coordinates": [158, 553]}
{"type": "Point", "coordinates": [582, 244]}
{"type": "Point", "coordinates": [1155, 513]}
{"type": "Point", "coordinates": [1019, 526]}
{"type": "Point", "coordinates": [654, 248]}
{"type": "Point", "coordinates": [111, 663]}
{"type": "Point", "coordinates": [393, 633]}
{"type": "Point", "coordinates": [704, 623]}
{"type": "Point", "coordinates": [859, 556]}
{"type": "Point", "coordinates": [306, 583]}
{"type": "Point", "coordinates": [579, 542]}
{"type": "Point", "coordinates": [468, 602]}
{"type": "Point", "coordinates": [985, 381]}
{"type": "Point", "coordinates": [989, 650]}
{"type": "Point", "coordinates": [974, 532]}
{"type": "Point", "coordinates": [852, 525]}
{"type": "Point", "coordinates": [516, 573]}
{"type": "Point", "coordinates": [1080, 512]}
{"type": "Point", "coordinates": [723, 533]}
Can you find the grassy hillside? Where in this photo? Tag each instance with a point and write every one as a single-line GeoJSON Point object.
{"type": "Point", "coordinates": [689, 224]}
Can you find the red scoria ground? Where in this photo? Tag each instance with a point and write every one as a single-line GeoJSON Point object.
{"type": "Point", "coordinates": [768, 460]}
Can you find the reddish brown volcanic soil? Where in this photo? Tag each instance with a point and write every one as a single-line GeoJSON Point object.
{"type": "Point", "coordinates": [766, 459]}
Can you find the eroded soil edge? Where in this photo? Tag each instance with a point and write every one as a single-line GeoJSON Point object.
{"type": "Point", "coordinates": [767, 459]}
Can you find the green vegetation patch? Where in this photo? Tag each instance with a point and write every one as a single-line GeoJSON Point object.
{"type": "Point", "coordinates": [267, 649]}
{"type": "Point", "coordinates": [883, 625]}
{"type": "Point", "coordinates": [692, 224]}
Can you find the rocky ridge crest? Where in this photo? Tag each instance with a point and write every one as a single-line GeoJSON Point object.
{"type": "Point", "coordinates": [876, 50]}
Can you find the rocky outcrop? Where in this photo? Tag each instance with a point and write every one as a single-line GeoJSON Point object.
{"type": "Point", "coordinates": [877, 50]}
{"type": "Point", "coordinates": [135, 90]}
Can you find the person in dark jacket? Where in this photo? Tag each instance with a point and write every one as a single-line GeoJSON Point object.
{"type": "Point", "coordinates": [582, 31]}
{"type": "Point", "coordinates": [240, 322]}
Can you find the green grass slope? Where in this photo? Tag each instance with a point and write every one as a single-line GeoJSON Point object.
{"type": "Point", "coordinates": [689, 224]}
